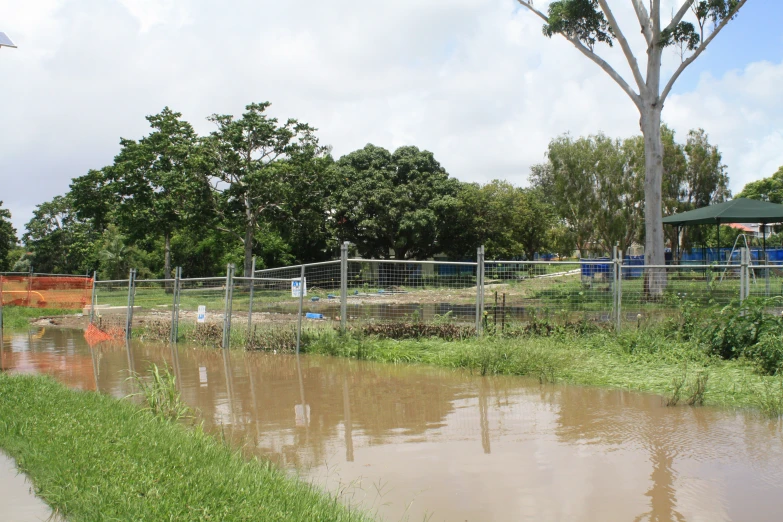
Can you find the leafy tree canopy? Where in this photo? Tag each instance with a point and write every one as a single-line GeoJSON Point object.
{"type": "Point", "coordinates": [396, 202]}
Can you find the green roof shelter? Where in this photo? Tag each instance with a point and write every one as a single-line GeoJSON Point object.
{"type": "Point", "coordinates": [739, 210]}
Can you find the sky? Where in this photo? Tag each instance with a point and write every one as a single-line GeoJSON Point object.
{"type": "Point", "coordinates": [473, 81]}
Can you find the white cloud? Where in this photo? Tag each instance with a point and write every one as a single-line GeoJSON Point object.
{"type": "Point", "coordinates": [472, 80]}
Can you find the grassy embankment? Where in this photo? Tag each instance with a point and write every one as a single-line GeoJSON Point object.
{"type": "Point", "coordinates": [92, 457]}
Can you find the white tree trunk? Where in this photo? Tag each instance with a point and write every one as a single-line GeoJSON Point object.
{"type": "Point", "coordinates": [655, 280]}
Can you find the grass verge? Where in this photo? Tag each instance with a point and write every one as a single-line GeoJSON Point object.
{"type": "Point", "coordinates": [646, 360]}
{"type": "Point", "coordinates": [92, 457]}
{"type": "Point", "coordinates": [20, 316]}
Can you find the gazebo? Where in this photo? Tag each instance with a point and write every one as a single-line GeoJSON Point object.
{"type": "Point", "coordinates": [739, 210]}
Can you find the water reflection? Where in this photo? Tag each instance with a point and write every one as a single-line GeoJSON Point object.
{"type": "Point", "coordinates": [458, 446]}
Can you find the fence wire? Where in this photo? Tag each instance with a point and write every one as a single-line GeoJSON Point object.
{"type": "Point", "coordinates": [265, 311]}
{"type": "Point", "coordinates": [401, 291]}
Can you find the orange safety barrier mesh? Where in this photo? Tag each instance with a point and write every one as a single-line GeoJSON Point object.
{"type": "Point", "coordinates": [45, 291]}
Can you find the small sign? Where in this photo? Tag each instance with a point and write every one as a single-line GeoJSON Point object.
{"type": "Point", "coordinates": [202, 313]}
{"type": "Point", "coordinates": [296, 285]}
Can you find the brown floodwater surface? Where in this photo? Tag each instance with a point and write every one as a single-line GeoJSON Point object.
{"type": "Point", "coordinates": [416, 442]}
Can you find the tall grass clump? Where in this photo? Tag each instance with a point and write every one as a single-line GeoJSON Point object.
{"type": "Point", "coordinates": [160, 394]}
{"type": "Point", "coordinates": [769, 398]}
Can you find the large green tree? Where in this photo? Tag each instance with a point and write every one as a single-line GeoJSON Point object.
{"type": "Point", "coordinates": [152, 180]}
{"type": "Point", "coordinates": [509, 221]}
{"type": "Point", "coordinates": [7, 239]}
{"type": "Point", "coordinates": [768, 189]}
{"type": "Point", "coordinates": [60, 242]}
{"type": "Point", "coordinates": [392, 202]}
{"type": "Point", "coordinates": [247, 163]}
{"type": "Point", "coordinates": [596, 185]}
{"type": "Point", "coordinates": [589, 183]}
{"type": "Point", "coordinates": [586, 23]}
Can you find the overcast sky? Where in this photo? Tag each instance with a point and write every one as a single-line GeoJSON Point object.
{"type": "Point", "coordinates": [474, 81]}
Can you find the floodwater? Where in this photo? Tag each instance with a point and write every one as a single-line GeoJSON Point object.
{"type": "Point", "coordinates": [416, 442]}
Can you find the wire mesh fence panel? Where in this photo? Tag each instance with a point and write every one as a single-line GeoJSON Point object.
{"type": "Point", "coordinates": [410, 291]}
{"type": "Point", "coordinates": [765, 280]}
{"type": "Point", "coordinates": [701, 285]}
{"type": "Point", "coordinates": [271, 324]}
{"type": "Point", "coordinates": [111, 306]}
{"type": "Point", "coordinates": [202, 304]}
{"type": "Point", "coordinates": [153, 300]}
{"type": "Point", "coordinates": [521, 292]}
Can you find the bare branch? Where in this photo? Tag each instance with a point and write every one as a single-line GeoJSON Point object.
{"type": "Point", "coordinates": [680, 14]}
{"type": "Point", "coordinates": [635, 98]}
{"type": "Point", "coordinates": [634, 65]}
{"type": "Point", "coordinates": [698, 51]}
{"type": "Point", "coordinates": [644, 19]}
{"type": "Point", "coordinates": [529, 5]}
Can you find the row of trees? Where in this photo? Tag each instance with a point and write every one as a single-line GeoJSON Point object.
{"type": "Point", "coordinates": [596, 184]}
{"type": "Point", "coordinates": [260, 187]}
{"type": "Point", "coordinates": [256, 186]}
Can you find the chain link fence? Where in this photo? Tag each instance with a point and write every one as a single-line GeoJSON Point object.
{"type": "Point", "coordinates": [273, 308]}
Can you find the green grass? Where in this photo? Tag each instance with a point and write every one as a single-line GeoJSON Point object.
{"type": "Point", "coordinates": [15, 317]}
{"type": "Point", "coordinates": [93, 458]}
{"type": "Point", "coordinates": [646, 360]}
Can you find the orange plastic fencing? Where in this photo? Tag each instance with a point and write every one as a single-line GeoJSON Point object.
{"type": "Point", "coordinates": [39, 291]}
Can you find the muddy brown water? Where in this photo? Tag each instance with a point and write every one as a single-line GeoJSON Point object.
{"type": "Point", "coordinates": [416, 442]}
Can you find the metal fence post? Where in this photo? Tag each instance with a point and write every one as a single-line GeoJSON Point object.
{"type": "Point", "coordinates": [743, 273]}
{"type": "Point", "coordinates": [301, 304]}
{"type": "Point", "coordinates": [343, 286]}
{"type": "Point", "coordinates": [131, 298]}
{"type": "Point", "coordinates": [175, 306]}
{"type": "Point", "coordinates": [615, 272]}
{"type": "Point", "coordinates": [479, 288]}
{"type": "Point", "coordinates": [250, 303]}
{"type": "Point", "coordinates": [227, 308]}
{"type": "Point", "coordinates": [94, 295]}
{"type": "Point", "coordinates": [766, 274]}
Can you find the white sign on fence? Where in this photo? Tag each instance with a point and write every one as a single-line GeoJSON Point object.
{"type": "Point", "coordinates": [295, 285]}
{"type": "Point", "coordinates": [202, 313]}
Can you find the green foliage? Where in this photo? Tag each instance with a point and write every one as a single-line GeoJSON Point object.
{"type": "Point", "coordinates": [7, 239]}
{"type": "Point", "coordinates": [94, 458]}
{"type": "Point", "coordinates": [509, 221]}
{"type": "Point", "coordinates": [581, 20]}
{"type": "Point", "coordinates": [59, 240]}
{"type": "Point", "coordinates": [596, 184]}
{"type": "Point", "coordinates": [768, 189]}
{"type": "Point", "coordinates": [117, 257]}
{"type": "Point", "coordinates": [160, 394]}
{"type": "Point", "coordinates": [249, 163]}
{"type": "Point", "coordinates": [397, 201]}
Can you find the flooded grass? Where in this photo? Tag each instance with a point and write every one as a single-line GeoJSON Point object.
{"type": "Point", "coordinates": [647, 360]}
{"type": "Point", "coordinates": [92, 457]}
{"type": "Point", "coordinates": [159, 391]}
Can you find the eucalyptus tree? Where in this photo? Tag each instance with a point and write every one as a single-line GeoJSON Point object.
{"type": "Point", "coordinates": [586, 23]}
{"type": "Point", "coordinates": [247, 163]}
